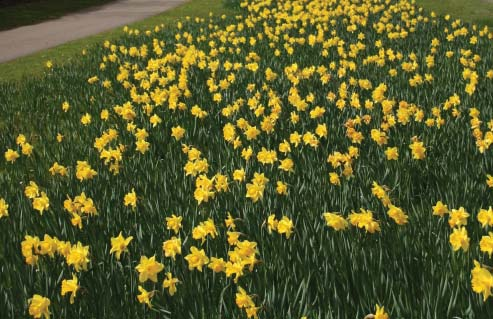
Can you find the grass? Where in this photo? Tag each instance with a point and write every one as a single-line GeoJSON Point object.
{"type": "Point", "coordinates": [33, 65]}
{"type": "Point", "coordinates": [319, 272]}
{"type": "Point", "coordinates": [474, 11]}
{"type": "Point", "coordinates": [19, 13]}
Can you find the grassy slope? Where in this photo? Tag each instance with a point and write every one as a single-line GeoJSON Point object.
{"type": "Point", "coordinates": [31, 12]}
{"type": "Point", "coordinates": [55, 90]}
{"type": "Point", "coordinates": [476, 11]}
{"type": "Point", "coordinates": [33, 65]}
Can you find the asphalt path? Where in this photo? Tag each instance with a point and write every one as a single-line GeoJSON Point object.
{"type": "Point", "coordinates": [29, 39]}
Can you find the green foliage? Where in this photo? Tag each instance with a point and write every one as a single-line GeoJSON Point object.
{"type": "Point", "coordinates": [231, 3]}
{"type": "Point", "coordinates": [474, 11]}
{"type": "Point", "coordinates": [318, 272]}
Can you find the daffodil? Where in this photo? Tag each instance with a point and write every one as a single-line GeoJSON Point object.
{"type": "Point", "coordinates": [482, 280]}
{"type": "Point", "coordinates": [65, 106]}
{"type": "Point", "coordinates": [392, 153]}
{"type": "Point", "coordinates": [39, 307]}
{"type": "Point", "coordinates": [41, 203]}
{"type": "Point", "coordinates": [4, 208]}
{"type": "Point", "coordinates": [459, 239]}
{"type": "Point", "coordinates": [145, 296]}
{"type": "Point", "coordinates": [130, 199]}
{"type": "Point", "coordinates": [243, 300]}
{"type": "Point", "coordinates": [196, 259]}
{"type": "Point", "coordinates": [365, 220]}
{"type": "Point", "coordinates": [84, 171]}
{"type": "Point", "coordinates": [148, 269]}
{"type": "Point", "coordinates": [70, 286]}
{"type": "Point", "coordinates": [335, 220]}
{"type": "Point", "coordinates": [440, 209]}
{"type": "Point", "coordinates": [380, 313]}
{"type": "Point", "coordinates": [177, 132]}
{"type": "Point", "coordinates": [485, 217]}
{"type": "Point", "coordinates": [285, 226]}
{"type": "Point", "coordinates": [172, 247]}
{"type": "Point", "coordinates": [11, 155]}
{"type": "Point", "coordinates": [217, 264]}
{"type": "Point", "coordinates": [458, 217]}
{"type": "Point", "coordinates": [397, 214]}
{"type": "Point", "coordinates": [170, 283]}
{"type": "Point", "coordinates": [418, 150]}
{"type": "Point", "coordinates": [486, 244]}
{"type": "Point", "coordinates": [120, 244]}
{"type": "Point", "coordinates": [174, 223]}
{"type": "Point", "coordinates": [78, 257]}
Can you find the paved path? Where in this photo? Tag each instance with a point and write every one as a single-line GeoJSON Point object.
{"type": "Point", "coordinates": [29, 39]}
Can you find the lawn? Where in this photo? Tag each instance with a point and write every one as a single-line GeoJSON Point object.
{"type": "Point", "coordinates": [304, 159]}
{"type": "Point", "coordinates": [475, 11]}
{"type": "Point", "coordinates": [71, 52]}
